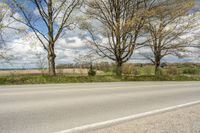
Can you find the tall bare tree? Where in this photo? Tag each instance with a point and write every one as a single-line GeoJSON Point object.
{"type": "Point", "coordinates": [3, 10]}
{"type": "Point", "coordinates": [4, 25]}
{"type": "Point", "coordinates": [47, 19]}
{"type": "Point", "coordinates": [115, 26]}
{"type": "Point", "coordinates": [167, 30]}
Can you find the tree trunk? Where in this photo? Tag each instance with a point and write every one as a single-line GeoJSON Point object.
{"type": "Point", "coordinates": [118, 69]}
{"type": "Point", "coordinates": [51, 60]}
{"type": "Point", "coordinates": [157, 68]}
{"type": "Point", "coordinates": [51, 52]}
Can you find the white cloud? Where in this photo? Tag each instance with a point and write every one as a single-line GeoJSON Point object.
{"type": "Point", "coordinates": [71, 43]}
{"type": "Point", "coordinates": [26, 49]}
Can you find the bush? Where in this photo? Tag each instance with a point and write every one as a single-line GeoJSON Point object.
{"type": "Point", "coordinates": [127, 69]}
{"type": "Point", "coordinates": [148, 70]}
{"type": "Point", "coordinates": [91, 73]}
{"type": "Point", "coordinates": [172, 71]}
{"type": "Point", "coordinates": [136, 71]}
{"type": "Point", "coordinates": [190, 71]}
{"type": "Point", "coordinates": [163, 65]}
{"type": "Point", "coordinates": [105, 66]}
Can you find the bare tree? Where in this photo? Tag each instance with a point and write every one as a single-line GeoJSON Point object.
{"type": "Point", "coordinates": [115, 26]}
{"type": "Point", "coordinates": [5, 23]}
{"type": "Point", "coordinates": [47, 19]}
{"type": "Point", "coordinates": [167, 30]}
{"type": "Point", "coordinates": [3, 12]}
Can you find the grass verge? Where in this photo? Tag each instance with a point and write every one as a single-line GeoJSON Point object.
{"type": "Point", "coordinates": [44, 79]}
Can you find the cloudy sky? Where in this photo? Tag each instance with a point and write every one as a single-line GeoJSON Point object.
{"type": "Point", "coordinates": [27, 51]}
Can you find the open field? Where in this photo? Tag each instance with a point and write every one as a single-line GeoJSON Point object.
{"type": "Point", "coordinates": [69, 71]}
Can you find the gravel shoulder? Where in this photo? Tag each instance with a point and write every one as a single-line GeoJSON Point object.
{"type": "Point", "coordinates": [183, 120]}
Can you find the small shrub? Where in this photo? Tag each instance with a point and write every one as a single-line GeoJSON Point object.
{"type": "Point", "coordinates": [127, 69]}
{"type": "Point", "coordinates": [163, 65]}
{"type": "Point", "coordinates": [191, 71]}
{"type": "Point", "coordinates": [148, 70]}
{"type": "Point", "coordinates": [135, 71]}
{"type": "Point", "coordinates": [91, 73]}
{"type": "Point", "coordinates": [172, 71]}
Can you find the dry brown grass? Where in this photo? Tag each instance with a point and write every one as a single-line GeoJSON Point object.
{"type": "Point", "coordinates": [75, 71]}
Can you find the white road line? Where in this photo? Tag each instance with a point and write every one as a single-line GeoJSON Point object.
{"type": "Point", "coordinates": [124, 119]}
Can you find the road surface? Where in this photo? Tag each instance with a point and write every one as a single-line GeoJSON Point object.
{"type": "Point", "coordinates": [52, 108]}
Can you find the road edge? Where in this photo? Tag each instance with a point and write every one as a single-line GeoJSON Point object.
{"type": "Point", "coordinates": [104, 124]}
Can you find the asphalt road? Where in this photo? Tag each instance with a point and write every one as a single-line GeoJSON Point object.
{"type": "Point", "coordinates": [52, 108]}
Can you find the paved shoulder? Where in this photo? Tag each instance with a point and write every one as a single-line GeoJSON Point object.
{"type": "Point", "coordinates": [184, 120]}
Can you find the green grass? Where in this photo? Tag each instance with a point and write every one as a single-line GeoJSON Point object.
{"type": "Point", "coordinates": [161, 78]}
{"type": "Point", "coordinates": [39, 79]}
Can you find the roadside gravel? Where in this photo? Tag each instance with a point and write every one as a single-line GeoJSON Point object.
{"type": "Point", "coordinates": [183, 120]}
